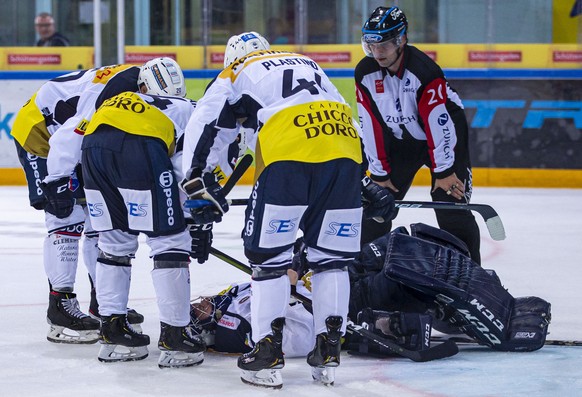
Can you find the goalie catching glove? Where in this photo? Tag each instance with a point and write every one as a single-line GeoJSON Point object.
{"type": "Point", "coordinates": [377, 201]}
{"type": "Point", "coordinates": [205, 187]}
{"type": "Point", "coordinates": [59, 198]}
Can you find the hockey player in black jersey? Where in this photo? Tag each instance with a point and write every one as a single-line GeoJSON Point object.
{"type": "Point", "coordinates": [411, 117]}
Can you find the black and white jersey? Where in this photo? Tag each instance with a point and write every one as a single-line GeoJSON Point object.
{"type": "Point", "coordinates": [414, 103]}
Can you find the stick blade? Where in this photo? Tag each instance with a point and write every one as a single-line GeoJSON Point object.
{"type": "Point", "coordinates": [496, 229]}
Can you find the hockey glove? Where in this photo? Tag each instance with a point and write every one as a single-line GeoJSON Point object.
{"type": "Point", "coordinates": [206, 187]}
{"type": "Point", "coordinates": [201, 240]}
{"type": "Point", "coordinates": [378, 201]}
{"type": "Point", "coordinates": [59, 198]}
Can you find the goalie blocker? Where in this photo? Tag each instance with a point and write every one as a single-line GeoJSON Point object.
{"type": "Point", "coordinates": [479, 305]}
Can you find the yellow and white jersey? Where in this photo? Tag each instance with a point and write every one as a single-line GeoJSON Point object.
{"type": "Point", "coordinates": [72, 96]}
{"type": "Point", "coordinates": [146, 115]}
{"type": "Point", "coordinates": [286, 106]}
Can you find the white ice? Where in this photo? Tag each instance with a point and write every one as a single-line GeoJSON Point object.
{"type": "Point", "coordinates": [541, 256]}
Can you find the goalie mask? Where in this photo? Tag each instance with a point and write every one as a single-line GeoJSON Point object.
{"type": "Point", "coordinates": [162, 76]}
{"type": "Point", "coordinates": [386, 27]}
{"type": "Point", "coordinates": [205, 312]}
{"type": "Point", "coordinates": [241, 45]}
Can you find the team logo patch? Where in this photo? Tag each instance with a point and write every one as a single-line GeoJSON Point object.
{"type": "Point", "coordinates": [166, 179]}
{"type": "Point", "coordinates": [379, 86]}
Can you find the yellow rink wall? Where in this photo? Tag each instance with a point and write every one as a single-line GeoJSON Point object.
{"type": "Point", "coordinates": [550, 57]}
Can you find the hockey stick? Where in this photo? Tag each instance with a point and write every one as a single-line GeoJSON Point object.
{"type": "Point", "coordinates": [490, 216]}
{"type": "Point", "coordinates": [468, 341]}
{"type": "Point", "coordinates": [445, 349]}
{"type": "Point", "coordinates": [241, 167]}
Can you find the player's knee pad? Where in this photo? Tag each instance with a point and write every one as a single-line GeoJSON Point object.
{"type": "Point", "coordinates": [261, 273]}
{"type": "Point", "coordinates": [114, 260]}
{"type": "Point", "coordinates": [171, 260]}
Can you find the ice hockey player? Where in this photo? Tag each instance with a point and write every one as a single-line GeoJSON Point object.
{"type": "Point", "coordinates": [308, 172]}
{"type": "Point", "coordinates": [131, 156]}
{"type": "Point", "coordinates": [411, 117]}
{"type": "Point", "coordinates": [47, 132]}
{"type": "Point", "coordinates": [401, 284]}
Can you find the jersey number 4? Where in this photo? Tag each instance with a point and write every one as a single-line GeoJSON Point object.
{"type": "Point", "coordinates": [302, 84]}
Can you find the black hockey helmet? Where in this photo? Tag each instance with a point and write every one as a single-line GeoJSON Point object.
{"type": "Point", "coordinates": [385, 24]}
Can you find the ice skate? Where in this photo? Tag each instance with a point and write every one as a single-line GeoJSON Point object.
{"type": "Point", "coordinates": [261, 366]}
{"type": "Point", "coordinates": [68, 324]}
{"type": "Point", "coordinates": [120, 342]}
{"type": "Point", "coordinates": [179, 347]}
{"type": "Point", "coordinates": [133, 317]}
{"type": "Point", "coordinates": [326, 355]}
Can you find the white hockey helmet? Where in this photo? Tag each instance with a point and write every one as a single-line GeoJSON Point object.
{"type": "Point", "coordinates": [162, 76]}
{"type": "Point", "coordinates": [243, 44]}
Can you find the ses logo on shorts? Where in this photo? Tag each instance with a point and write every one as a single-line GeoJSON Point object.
{"type": "Point", "coordinates": [341, 229]}
{"type": "Point", "coordinates": [281, 226]}
{"type": "Point", "coordinates": [137, 209]}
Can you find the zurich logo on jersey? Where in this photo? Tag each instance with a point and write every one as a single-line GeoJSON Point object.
{"type": "Point", "coordinates": [443, 119]}
{"type": "Point", "coordinates": [407, 82]}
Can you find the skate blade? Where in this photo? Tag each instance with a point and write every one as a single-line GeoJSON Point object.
{"type": "Point", "coordinates": [60, 334]}
{"type": "Point", "coordinates": [268, 378]}
{"type": "Point", "coordinates": [325, 375]}
{"type": "Point", "coordinates": [178, 359]}
{"type": "Point", "coordinates": [117, 353]}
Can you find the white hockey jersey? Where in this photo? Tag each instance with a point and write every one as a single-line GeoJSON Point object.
{"type": "Point", "coordinates": [62, 103]}
{"type": "Point", "coordinates": [287, 107]}
{"type": "Point", "coordinates": [233, 331]}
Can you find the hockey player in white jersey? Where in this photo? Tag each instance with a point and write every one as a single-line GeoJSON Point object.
{"type": "Point", "coordinates": [131, 157]}
{"type": "Point", "coordinates": [57, 108]}
{"type": "Point", "coordinates": [308, 171]}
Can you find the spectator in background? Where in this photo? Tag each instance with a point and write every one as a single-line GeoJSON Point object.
{"type": "Point", "coordinates": [48, 36]}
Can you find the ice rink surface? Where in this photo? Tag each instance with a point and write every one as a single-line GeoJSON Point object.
{"type": "Point", "coordinates": [541, 256]}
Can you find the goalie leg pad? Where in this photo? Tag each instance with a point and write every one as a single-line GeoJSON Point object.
{"type": "Point", "coordinates": [528, 325]}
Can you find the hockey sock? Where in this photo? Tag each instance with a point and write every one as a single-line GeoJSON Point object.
{"type": "Point", "coordinates": [61, 253]}
{"type": "Point", "coordinates": [112, 286]}
{"type": "Point", "coordinates": [269, 300]}
{"type": "Point", "coordinates": [172, 284]}
{"type": "Point", "coordinates": [331, 292]}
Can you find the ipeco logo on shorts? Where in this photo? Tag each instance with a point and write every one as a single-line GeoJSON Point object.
{"type": "Point", "coordinates": [250, 226]}
{"type": "Point", "coordinates": [33, 162]}
{"type": "Point", "coordinates": [166, 180]}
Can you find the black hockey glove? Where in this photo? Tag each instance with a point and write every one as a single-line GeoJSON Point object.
{"type": "Point", "coordinates": [201, 240]}
{"type": "Point", "coordinates": [59, 198]}
{"type": "Point", "coordinates": [206, 187]}
{"type": "Point", "coordinates": [378, 201]}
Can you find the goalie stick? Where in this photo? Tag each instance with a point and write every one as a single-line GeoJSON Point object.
{"type": "Point", "coordinates": [490, 216]}
{"type": "Point", "coordinates": [445, 349]}
{"type": "Point", "coordinates": [463, 340]}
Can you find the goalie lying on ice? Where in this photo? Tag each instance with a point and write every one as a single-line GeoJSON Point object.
{"type": "Point", "coordinates": [400, 285]}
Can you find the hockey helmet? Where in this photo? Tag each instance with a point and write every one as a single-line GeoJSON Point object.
{"type": "Point", "coordinates": [162, 76]}
{"type": "Point", "coordinates": [385, 25]}
{"type": "Point", "coordinates": [243, 44]}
